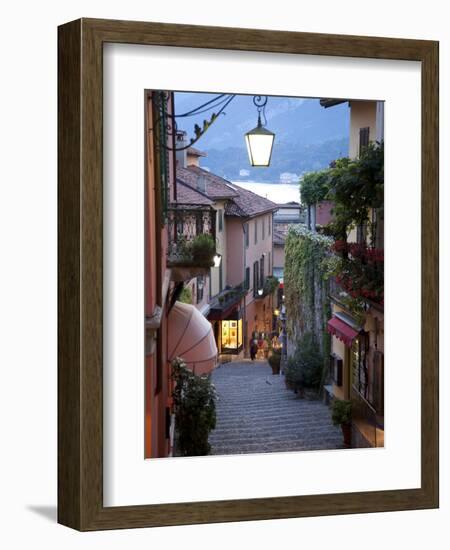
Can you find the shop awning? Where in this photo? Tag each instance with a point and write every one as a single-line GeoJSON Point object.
{"type": "Point", "coordinates": [341, 330]}
{"type": "Point", "coordinates": [191, 338]}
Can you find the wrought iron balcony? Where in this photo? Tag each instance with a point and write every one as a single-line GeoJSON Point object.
{"type": "Point", "coordinates": [365, 418]}
{"type": "Point", "coordinates": [191, 236]}
{"type": "Point", "coordinates": [267, 287]}
{"type": "Point", "coordinates": [342, 296]}
{"type": "Point", "coordinates": [227, 300]}
{"type": "Point", "coordinates": [337, 292]}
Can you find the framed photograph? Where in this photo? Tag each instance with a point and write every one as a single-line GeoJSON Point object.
{"type": "Point", "coordinates": [248, 316]}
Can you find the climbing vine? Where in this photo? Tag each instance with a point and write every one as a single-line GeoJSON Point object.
{"type": "Point", "coordinates": [314, 186]}
{"type": "Point", "coordinates": [306, 284]}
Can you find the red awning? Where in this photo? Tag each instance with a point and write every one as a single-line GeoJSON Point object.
{"type": "Point", "coordinates": [341, 330]}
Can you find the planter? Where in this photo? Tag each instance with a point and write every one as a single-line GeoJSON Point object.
{"type": "Point", "coordinates": [347, 433]}
{"type": "Point", "coordinates": [274, 361]}
{"type": "Point", "coordinates": [203, 259]}
{"type": "Point", "coordinates": [275, 369]}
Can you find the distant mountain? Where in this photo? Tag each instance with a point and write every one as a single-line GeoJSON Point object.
{"type": "Point", "coordinates": [308, 137]}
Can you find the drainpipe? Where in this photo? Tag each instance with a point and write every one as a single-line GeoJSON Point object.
{"type": "Point", "coordinates": [181, 156]}
{"type": "Point", "coordinates": [313, 218]}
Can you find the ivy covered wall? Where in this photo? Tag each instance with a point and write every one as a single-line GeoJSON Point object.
{"type": "Point", "coordinates": [306, 286]}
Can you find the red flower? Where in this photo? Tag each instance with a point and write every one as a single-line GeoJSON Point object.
{"type": "Point", "coordinates": [340, 246]}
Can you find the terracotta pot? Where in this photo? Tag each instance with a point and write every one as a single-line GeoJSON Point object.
{"type": "Point", "coordinates": [347, 433]}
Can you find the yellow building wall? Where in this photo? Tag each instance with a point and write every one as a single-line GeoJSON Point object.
{"type": "Point", "coordinates": [363, 114]}
{"type": "Point", "coordinates": [338, 348]}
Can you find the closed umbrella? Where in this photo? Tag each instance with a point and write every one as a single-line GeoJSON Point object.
{"type": "Point", "coordinates": [191, 338]}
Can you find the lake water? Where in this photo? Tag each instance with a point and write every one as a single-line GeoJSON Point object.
{"type": "Point", "coordinates": [276, 192]}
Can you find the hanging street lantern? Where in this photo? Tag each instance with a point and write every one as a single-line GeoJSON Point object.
{"type": "Point", "coordinates": [260, 140]}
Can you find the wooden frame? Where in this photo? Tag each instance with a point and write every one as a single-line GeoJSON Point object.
{"type": "Point", "coordinates": [80, 475]}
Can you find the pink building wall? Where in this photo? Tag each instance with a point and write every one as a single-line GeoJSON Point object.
{"type": "Point", "coordinates": [278, 255]}
{"type": "Point", "coordinates": [258, 311]}
{"type": "Point", "coordinates": [235, 257]}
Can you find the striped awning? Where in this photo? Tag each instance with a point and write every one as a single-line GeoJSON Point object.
{"type": "Point", "coordinates": [191, 338]}
{"type": "Point", "coordinates": [342, 331]}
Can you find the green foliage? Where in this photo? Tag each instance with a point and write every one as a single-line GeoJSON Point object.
{"type": "Point", "coordinates": [194, 401]}
{"type": "Point", "coordinates": [292, 373]}
{"type": "Point", "coordinates": [305, 286]}
{"type": "Point", "coordinates": [341, 412]}
{"type": "Point", "coordinates": [356, 186]}
{"type": "Point", "coordinates": [203, 247]}
{"type": "Point", "coordinates": [306, 289]}
{"type": "Point", "coordinates": [184, 248]}
{"type": "Point", "coordinates": [314, 186]}
{"type": "Point", "coordinates": [304, 368]}
{"type": "Point", "coordinates": [185, 295]}
{"type": "Point", "coordinates": [271, 284]}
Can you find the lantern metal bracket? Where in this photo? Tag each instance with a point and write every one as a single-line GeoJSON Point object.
{"type": "Point", "coordinates": [169, 121]}
{"type": "Point", "coordinates": [260, 102]}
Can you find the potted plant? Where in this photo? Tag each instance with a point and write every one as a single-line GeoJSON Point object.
{"type": "Point", "coordinates": [203, 248]}
{"type": "Point", "coordinates": [342, 416]}
{"type": "Point", "coordinates": [194, 405]}
{"type": "Point", "coordinates": [275, 361]}
{"type": "Point", "coordinates": [305, 368]}
{"type": "Point", "coordinates": [292, 375]}
{"type": "Point", "coordinates": [270, 285]}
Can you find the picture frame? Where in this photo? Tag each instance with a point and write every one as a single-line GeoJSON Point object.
{"type": "Point", "coordinates": [80, 273]}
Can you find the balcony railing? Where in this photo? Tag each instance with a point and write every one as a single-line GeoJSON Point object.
{"type": "Point", "coordinates": [187, 226]}
{"type": "Point", "coordinates": [267, 287]}
{"type": "Point", "coordinates": [228, 298]}
{"type": "Point", "coordinates": [366, 420]}
{"type": "Point", "coordinates": [336, 292]}
{"type": "Point", "coordinates": [339, 294]}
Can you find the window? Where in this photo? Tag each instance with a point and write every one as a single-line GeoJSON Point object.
{"type": "Point", "coordinates": [246, 235]}
{"type": "Point", "coordinates": [268, 263]}
{"type": "Point", "coordinates": [261, 272]}
{"type": "Point", "coordinates": [336, 369]}
{"type": "Point", "coordinates": [361, 234]}
{"type": "Point", "coordinates": [247, 278]}
{"type": "Point", "coordinates": [220, 217]}
{"type": "Point", "coordinates": [231, 335]}
{"type": "Point", "coordinates": [256, 231]}
{"type": "Point", "coordinates": [269, 225]}
{"type": "Point", "coordinates": [363, 138]}
{"type": "Point", "coordinates": [263, 236]}
{"type": "Point", "coordinates": [360, 379]}
{"type": "Point", "coordinates": [200, 286]}
{"type": "Point", "coordinates": [255, 278]}
{"type": "Point", "coordinates": [378, 382]}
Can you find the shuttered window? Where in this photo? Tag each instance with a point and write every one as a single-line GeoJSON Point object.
{"type": "Point", "coordinates": [255, 278]}
{"type": "Point", "coordinates": [364, 134]}
{"type": "Point", "coordinates": [247, 278]}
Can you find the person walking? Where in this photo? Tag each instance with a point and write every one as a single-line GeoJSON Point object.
{"type": "Point", "coordinates": [253, 350]}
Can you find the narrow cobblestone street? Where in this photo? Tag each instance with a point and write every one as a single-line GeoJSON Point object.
{"type": "Point", "coordinates": [257, 414]}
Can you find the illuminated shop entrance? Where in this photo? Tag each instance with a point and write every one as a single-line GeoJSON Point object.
{"type": "Point", "coordinates": [231, 336]}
